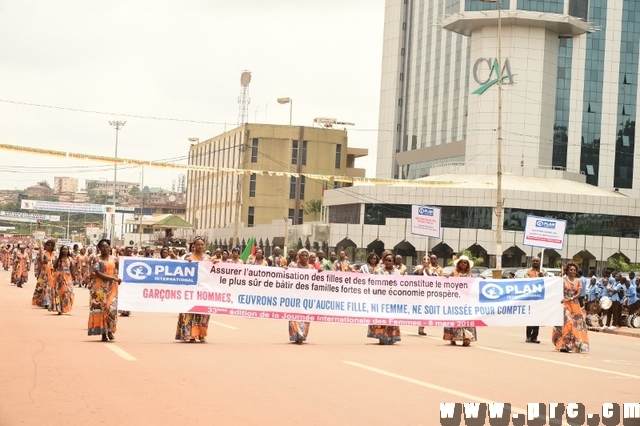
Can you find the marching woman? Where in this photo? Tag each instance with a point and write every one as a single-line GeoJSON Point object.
{"type": "Point", "coordinates": [103, 302]}
{"type": "Point", "coordinates": [429, 267]}
{"type": "Point", "coordinates": [371, 267]}
{"type": "Point", "coordinates": [64, 270]}
{"type": "Point", "coordinates": [5, 254]}
{"type": "Point", "coordinates": [194, 326]}
{"type": "Point", "coordinates": [572, 336]}
{"type": "Point", "coordinates": [299, 330]}
{"type": "Point", "coordinates": [42, 293]}
{"type": "Point", "coordinates": [21, 263]}
{"type": "Point", "coordinates": [465, 334]}
{"type": "Point", "coordinates": [386, 334]}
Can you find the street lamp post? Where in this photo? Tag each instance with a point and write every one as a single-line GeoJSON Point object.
{"type": "Point", "coordinates": [195, 192]}
{"type": "Point", "coordinates": [116, 125]}
{"type": "Point", "coordinates": [499, 202]}
{"type": "Point", "coordinates": [289, 101]}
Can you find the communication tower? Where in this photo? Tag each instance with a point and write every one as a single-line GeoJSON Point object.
{"type": "Point", "coordinates": [244, 100]}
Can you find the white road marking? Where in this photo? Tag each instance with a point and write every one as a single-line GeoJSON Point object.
{"type": "Point", "coordinates": [230, 327]}
{"type": "Point", "coordinates": [566, 364]}
{"type": "Point", "coordinates": [467, 396]}
{"type": "Point", "coordinates": [120, 352]}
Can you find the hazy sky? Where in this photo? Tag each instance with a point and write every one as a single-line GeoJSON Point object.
{"type": "Point", "coordinates": [178, 60]}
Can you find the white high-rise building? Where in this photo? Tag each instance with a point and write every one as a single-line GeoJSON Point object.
{"type": "Point", "coordinates": [570, 80]}
{"type": "Point", "coordinates": [569, 87]}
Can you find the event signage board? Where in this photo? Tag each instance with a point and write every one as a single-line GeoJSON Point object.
{"type": "Point", "coordinates": [544, 232]}
{"type": "Point", "coordinates": [154, 285]}
{"type": "Point", "coordinates": [425, 221]}
{"type": "Point", "coordinates": [32, 217]}
{"type": "Point", "coordinates": [57, 206]}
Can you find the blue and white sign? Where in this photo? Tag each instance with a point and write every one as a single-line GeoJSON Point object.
{"type": "Point", "coordinates": [544, 232]}
{"type": "Point", "coordinates": [425, 221]}
{"type": "Point", "coordinates": [157, 271]}
{"type": "Point", "coordinates": [511, 290]}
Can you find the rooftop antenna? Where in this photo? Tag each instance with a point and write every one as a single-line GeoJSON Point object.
{"type": "Point", "coordinates": [244, 100]}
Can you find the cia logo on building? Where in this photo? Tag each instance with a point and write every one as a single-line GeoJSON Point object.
{"type": "Point", "coordinates": [486, 72]}
{"type": "Point", "coordinates": [511, 290]}
{"type": "Point", "coordinates": [138, 271]}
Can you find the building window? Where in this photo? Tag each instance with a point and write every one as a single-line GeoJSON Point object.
{"type": "Point", "coordinates": [338, 156]}
{"type": "Point", "coordinates": [300, 214]}
{"type": "Point", "coordinates": [304, 153]}
{"type": "Point", "coordinates": [251, 217]}
{"type": "Point", "coordinates": [302, 182]}
{"type": "Point", "coordinates": [292, 188]}
{"type": "Point", "coordinates": [294, 153]}
{"type": "Point", "coordinates": [252, 185]}
{"type": "Point", "coordinates": [254, 151]}
{"type": "Point", "coordinates": [291, 215]}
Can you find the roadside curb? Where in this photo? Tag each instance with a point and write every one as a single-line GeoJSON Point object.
{"type": "Point", "coordinates": [619, 332]}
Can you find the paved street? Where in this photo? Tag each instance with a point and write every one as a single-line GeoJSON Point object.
{"type": "Point", "coordinates": [249, 374]}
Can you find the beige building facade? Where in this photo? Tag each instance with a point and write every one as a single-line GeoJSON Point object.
{"type": "Point", "coordinates": [216, 200]}
{"type": "Point", "coordinates": [65, 185]}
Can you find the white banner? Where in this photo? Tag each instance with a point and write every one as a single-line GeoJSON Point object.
{"type": "Point", "coordinates": [154, 285]}
{"type": "Point", "coordinates": [29, 217]}
{"type": "Point", "coordinates": [57, 206]}
{"type": "Point", "coordinates": [544, 232]}
{"type": "Point", "coordinates": [425, 221]}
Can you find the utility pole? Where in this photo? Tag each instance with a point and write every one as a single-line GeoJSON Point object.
{"type": "Point", "coordinates": [116, 125]}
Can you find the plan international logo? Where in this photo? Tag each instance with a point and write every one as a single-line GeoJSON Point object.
{"type": "Point", "coordinates": [486, 72]}
{"type": "Point", "coordinates": [498, 291]}
{"type": "Point", "coordinates": [160, 272]}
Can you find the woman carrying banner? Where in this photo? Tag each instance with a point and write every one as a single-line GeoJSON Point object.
{"type": "Point", "coordinates": [42, 293]}
{"type": "Point", "coordinates": [21, 264]}
{"type": "Point", "coordinates": [64, 270]}
{"type": "Point", "coordinates": [371, 267]}
{"type": "Point", "coordinates": [103, 303]}
{"type": "Point", "coordinates": [386, 334]}
{"type": "Point", "coordinates": [572, 336]}
{"type": "Point", "coordinates": [257, 259]}
{"type": "Point", "coordinates": [298, 330]}
{"type": "Point", "coordinates": [194, 326]}
{"type": "Point", "coordinates": [467, 335]}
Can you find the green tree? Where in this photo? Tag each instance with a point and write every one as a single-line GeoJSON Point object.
{"type": "Point", "coordinates": [313, 207]}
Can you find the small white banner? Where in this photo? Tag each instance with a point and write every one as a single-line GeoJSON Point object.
{"type": "Point", "coordinates": [425, 221]}
{"type": "Point", "coordinates": [544, 232]}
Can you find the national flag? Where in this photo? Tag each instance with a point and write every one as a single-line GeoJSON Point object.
{"type": "Point", "coordinates": [249, 250]}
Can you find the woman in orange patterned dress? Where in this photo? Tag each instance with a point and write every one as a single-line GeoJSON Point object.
{"type": "Point", "coordinates": [386, 334]}
{"type": "Point", "coordinates": [21, 264]}
{"type": "Point", "coordinates": [42, 293]}
{"type": "Point", "coordinates": [103, 304]}
{"type": "Point", "coordinates": [5, 254]}
{"type": "Point", "coordinates": [194, 326]}
{"type": "Point", "coordinates": [62, 285]}
{"type": "Point", "coordinates": [572, 336]}
{"type": "Point", "coordinates": [467, 335]}
{"type": "Point", "coordinates": [299, 330]}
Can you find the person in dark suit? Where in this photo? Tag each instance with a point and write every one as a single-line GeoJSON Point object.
{"type": "Point", "coordinates": [534, 272]}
